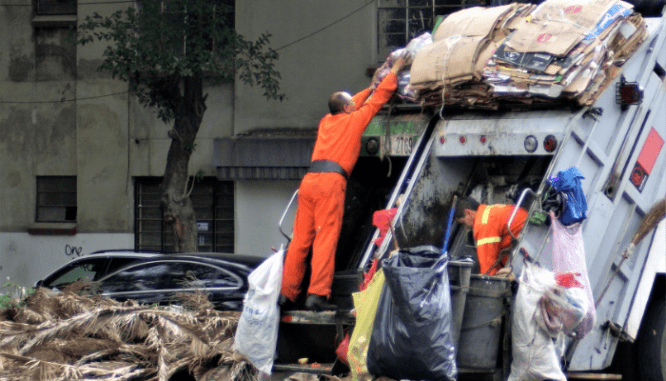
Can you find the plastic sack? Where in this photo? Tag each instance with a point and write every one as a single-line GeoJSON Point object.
{"type": "Point", "coordinates": [561, 310]}
{"type": "Point", "coordinates": [568, 182]}
{"type": "Point", "coordinates": [382, 219]}
{"type": "Point", "coordinates": [412, 336]}
{"type": "Point", "coordinates": [365, 303]}
{"type": "Point", "coordinates": [534, 354]}
{"type": "Point", "coordinates": [256, 334]}
{"type": "Point", "coordinates": [569, 256]}
{"type": "Point", "coordinates": [342, 349]}
{"type": "Point", "coordinates": [404, 89]}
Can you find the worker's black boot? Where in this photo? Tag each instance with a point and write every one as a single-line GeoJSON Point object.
{"type": "Point", "coordinates": [318, 303]}
{"type": "Point", "coordinates": [286, 303]}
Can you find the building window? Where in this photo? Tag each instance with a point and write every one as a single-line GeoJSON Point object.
{"type": "Point", "coordinates": [401, 20]}
{"type": "Point", "coordinates": [175, 20]}
{"type": "Point", "coordinates": [56, 199]}
{"type": "Point", "coordinates": [56, 7]}
{"type": "Point", "coordinates": [55, 56]}
{"type": "Point", "coordinates": [213, 203]}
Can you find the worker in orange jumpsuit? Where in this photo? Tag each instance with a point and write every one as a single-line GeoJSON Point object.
{"type": "Point", "coordinates": [321, 195]}
{"type": "Point", "coordinates": [489, 224]}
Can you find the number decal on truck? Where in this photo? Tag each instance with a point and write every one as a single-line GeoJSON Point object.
{"type": "Point", "coordinates": [401, 144]}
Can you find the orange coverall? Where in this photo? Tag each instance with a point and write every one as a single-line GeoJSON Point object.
{"type": "Point", "coordinates": [321, 196]}
{"type": "Point", "coordinates": [492, 234]}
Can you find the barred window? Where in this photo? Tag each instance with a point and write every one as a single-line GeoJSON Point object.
{"type": "Point", "coordinates": [56, 199]}
{"type": "Point", "coordinates": [175, 18]}
{"type": "Point", "coordinates": [213, 203]}
{"type": "Point", "coordinates": [56, 7]}
{"type": "Point", "coordinates": [401, 20]}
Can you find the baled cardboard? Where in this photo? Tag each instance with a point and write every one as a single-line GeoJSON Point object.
{"type": "Point", "coordinates": [475, 21]}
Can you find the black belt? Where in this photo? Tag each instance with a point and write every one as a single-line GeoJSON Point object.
{"type": "Point", "coordinates": [319, 166]}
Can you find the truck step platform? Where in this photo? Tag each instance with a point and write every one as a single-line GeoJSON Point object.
{"type": "Point", "coordinates": [340, 317]}
{"type": "Point", "coordinates": [304, 368]}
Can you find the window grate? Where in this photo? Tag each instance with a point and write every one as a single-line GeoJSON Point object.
{"type": "Point", "coordinates": [401, 20]}
{"type": "Point", "coordinates": [213, 202]}
{"type": "Point", "coordinates": [56, 7]}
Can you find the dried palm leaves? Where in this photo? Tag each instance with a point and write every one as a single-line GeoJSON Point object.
{"type": "Point", "coordinates": [72, 336]}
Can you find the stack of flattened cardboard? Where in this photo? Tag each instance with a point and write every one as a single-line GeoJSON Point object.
{"type": "Point", "coordinates": [559, 51]}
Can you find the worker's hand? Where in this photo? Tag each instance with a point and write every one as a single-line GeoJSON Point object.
{"type": "Point", "coordinates": [400, 64]}
{"type": "Point", "coordinates": [506, 272]}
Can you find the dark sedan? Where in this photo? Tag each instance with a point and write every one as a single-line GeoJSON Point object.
{"type": "Point", "coordinates": [155, 278]}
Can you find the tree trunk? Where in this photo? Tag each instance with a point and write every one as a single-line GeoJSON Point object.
{"type": "Point", "coordinates": [176, 203]}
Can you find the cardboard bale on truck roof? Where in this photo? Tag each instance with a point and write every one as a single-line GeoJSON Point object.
{"type": "Point", "coordinates": [557, 51]}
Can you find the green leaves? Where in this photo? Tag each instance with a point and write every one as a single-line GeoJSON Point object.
{"type": "Point", "coordinates": [159, 42]}
{"type": "Point", "coordinates": [190, 147]}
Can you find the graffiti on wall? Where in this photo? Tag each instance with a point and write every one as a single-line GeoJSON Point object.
{"type": "Point", "coordinates": [73, 250]}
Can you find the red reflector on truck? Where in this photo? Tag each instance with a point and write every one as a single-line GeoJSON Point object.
{"type": "Point", "coordinates": [550, 143]}
{"type": "Point", "coordinates": [646, 159]}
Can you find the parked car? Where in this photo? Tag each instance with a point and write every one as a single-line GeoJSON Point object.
{"type": "Point", "coordinates": [149, 277]}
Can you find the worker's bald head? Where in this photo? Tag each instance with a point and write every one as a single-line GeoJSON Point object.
{"type": "Point", "coordinates": [338, 101]}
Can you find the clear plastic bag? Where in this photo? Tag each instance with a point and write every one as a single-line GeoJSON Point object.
{"type": "Point", "coordinates": [404, 89]}
{"type": "Point", "coordinates": [256, 334]}
{"type": "Point", "coordinates": [561, 310]}
{"type": "Point", "coordinates": [365, 303]}
{"type": "Point", "coordinates": [569, 256]}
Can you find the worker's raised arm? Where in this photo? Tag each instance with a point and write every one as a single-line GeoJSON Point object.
{"type": "Point", "coordinates": [382, 94]}
{"type": "Point", "coordinates": [360, 97]}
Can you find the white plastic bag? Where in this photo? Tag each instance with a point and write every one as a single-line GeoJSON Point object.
{"type": "Point", "coordinates": [534, 355]}
{"type": "Point", "coordinates": [256, 335]}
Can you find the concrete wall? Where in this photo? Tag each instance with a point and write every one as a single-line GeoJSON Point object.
{"type": "Point", "coordinates": [26, 258]}
{"type": "Point", "coordinates": [320, 63]}
{"type": "Point", "coordinates": [259, 206]}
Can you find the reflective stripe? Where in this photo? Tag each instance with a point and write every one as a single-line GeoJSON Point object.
{"type": "Point", "coordinates": [486, 213]}
{"type": "Point", "coordinates": [485, 241]}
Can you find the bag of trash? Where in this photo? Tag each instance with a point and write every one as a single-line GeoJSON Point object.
{"type": "Point", "coordinates": [568, 182]}
{"type": "Point", "coordinates": [412, 336]}
{"type": "Point", "coordinates": [404, 89]}
{"type": "Point", "coordinates": [569, 256]}
{"type": "Point", "coordinates": [256, 334]}
{"type": "Point", "coordinates": [533, 349]}
{"type": "Point", "coordinates": [365, 303]}
{"type": "Point", "coordinates": [560, 310]}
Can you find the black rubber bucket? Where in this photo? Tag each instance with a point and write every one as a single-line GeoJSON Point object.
{"type": "Point", "coordinates": [481, 329]}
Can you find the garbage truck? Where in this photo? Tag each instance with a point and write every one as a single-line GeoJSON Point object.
{"type": "Point", "coordinates": [418, 159]}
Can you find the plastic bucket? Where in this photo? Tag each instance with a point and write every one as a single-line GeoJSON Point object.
{"type": "Point", "coordinates": [459, 276]}
{"type": "Point", "coordinates": [480, 332]}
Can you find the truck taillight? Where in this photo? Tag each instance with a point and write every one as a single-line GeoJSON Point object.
{"type": "Point", "coordinates": [628, 93]}
{"type": "Point", "coordinates": [372, 146]}
{"type": "Point", "coordinates": [531, 143]}
{"type": "Point", "coordinates": [550, 143]}
{"type": "Point", "coordinates": [482, 139]}
{"type": "Point", "coordinates": [463, 140]}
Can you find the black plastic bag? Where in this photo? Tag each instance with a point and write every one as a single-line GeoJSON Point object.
{"type": "Point", "coordinates": [412, 338]}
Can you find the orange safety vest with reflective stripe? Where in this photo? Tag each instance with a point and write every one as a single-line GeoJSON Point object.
{"type": "Point", "coordinates": [491, 234]}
